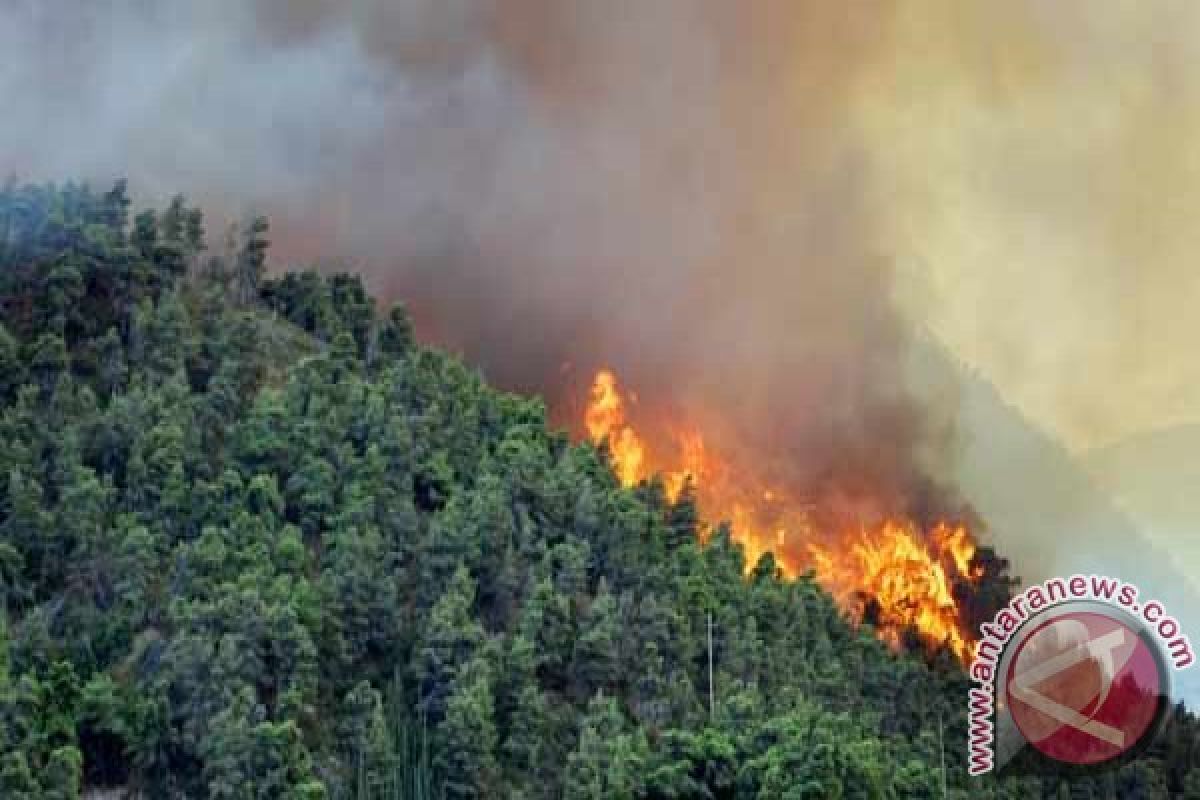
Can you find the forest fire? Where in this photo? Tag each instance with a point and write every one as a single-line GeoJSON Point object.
{"type": "Point", "coordinates": [899, 578]}
{"type": "Point", "coordinates": [892, 572]}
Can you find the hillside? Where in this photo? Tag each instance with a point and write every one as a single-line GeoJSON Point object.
{"type": "Point", "coordinates": [1154, 477]}
{"type": "Point", "coordinates": [257, 542]}
{"type": "Point", "coordinates": [1122, 511]}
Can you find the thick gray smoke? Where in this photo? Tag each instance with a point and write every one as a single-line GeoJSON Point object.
{"type": "Point", "coordinates": [677, 191]}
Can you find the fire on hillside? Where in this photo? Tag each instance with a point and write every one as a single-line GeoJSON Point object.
{"type": "Point", "coordinates": [894, 572]}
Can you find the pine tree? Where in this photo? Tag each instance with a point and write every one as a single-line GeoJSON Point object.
{"type": "Point", "coordinates": [529, 749]}
{"type": "Point", "coordinates": [649, 693]}
{"type": "Point", "coordinates": [360, 602]}
{"type": "Point", "coordinates": [687, 764]}
{"type": "Point", "coordinates": [48, 362]}
{"type": "Point", "coordinates": [682, 517]}
{"type": "Point", "coordinates": [596, 660]}
{"type": "Point", "coordinates": [248, 756]}
{"type": "Point", "coordinates": [466, 757]}
{"type": "Point", "coordinates": [547, 622]}
{"type": "Point", "coordinates": [16, 779]}
{"type": "Point", "coordinates": [451, 638]}
{"type": "Point", "coordinates": [396, 335]}
{"type": "Point", "coordinates": [251, 259]}
{"type": "Point", "coordinates": [63, 775]}
{"type": "Point", "coordinates": [365, 740]}
{"type": "Point", "coordinates": [11, 368]}
{"type": "Point", "coordinates": [609, 760]}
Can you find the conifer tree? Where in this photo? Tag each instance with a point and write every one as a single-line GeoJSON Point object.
{"type": "Point", "coordinates": [596, 660]}
{"type": "Point", "coordinates": [466, 759]}
{"type": "Point", "coordinates": [451, 638]}
{"type": "Point", "coordinates": [609, 760]}
{"type": "Point", "coordinates": [16, 779]}
{"type": "Point", "coordinates": [250, 266]}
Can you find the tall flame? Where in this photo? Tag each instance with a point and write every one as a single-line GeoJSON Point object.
{"type": "Point", "coordinates": [900, 578]}
{"type": "Point", "coordinates": [892, 574]}
{"type": "Point", "coordinates": [605, 421]}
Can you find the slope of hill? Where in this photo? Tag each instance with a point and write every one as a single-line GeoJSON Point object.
{"type": "Point", "coordinates": [1155, 477]}
{"type": "Point", "coordinates": [1052, 514]}
{"type": "Point", "coordinates": [256, 542]}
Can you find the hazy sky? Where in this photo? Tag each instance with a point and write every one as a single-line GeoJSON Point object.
{"type": "Point", "coordinates": [1042, 167]}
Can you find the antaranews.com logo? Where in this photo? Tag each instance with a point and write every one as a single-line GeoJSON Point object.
{"type": "Point", "coordinates": [1074, 674]}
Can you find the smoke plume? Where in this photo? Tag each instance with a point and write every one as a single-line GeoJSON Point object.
{"type": "Point", "coordinates": [678, 192]}
{"type": "Point", "coordinates": [743, 208]}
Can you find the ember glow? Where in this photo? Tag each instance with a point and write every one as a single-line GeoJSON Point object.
{"type": "Point", "coordinates": [892, 573]}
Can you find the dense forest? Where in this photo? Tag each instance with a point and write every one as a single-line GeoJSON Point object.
{"type": "Point", "coordinates": [257, 542]}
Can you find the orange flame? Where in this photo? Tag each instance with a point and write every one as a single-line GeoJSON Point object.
{"type": "Point", "coordinates": [904, 576]}
{"type": "Point", "coordinates": [605, 421]}
{"type": "Point", "coordinates": [893, 574]}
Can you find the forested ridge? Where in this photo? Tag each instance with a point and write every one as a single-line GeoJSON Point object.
{"type": "Point", "coordinates": [256, 542]}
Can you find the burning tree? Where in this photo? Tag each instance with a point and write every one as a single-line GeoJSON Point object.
{"type": "Point", "coordinates": [893, 572]}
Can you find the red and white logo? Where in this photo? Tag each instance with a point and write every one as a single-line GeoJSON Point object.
{"type": "Point", "coordinates": [1085, 687]}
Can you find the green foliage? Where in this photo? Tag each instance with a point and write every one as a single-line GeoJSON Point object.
{"type": "Point", "coordinates": [248, 756]}
{"type": "Point", "coordinates": [15, 778]}
{"type": "Point", "coordinates": [255, 541]}
{"type": "Point", "coordinates": [609, 759]}
{"type": "Point", "coordinates": [596, 661]}
{"type": "Point", "coordinates": [364, 739]}
{"type": "Point", "coordinates": [699, 765]}
{"type": "Point", "coordinates": [466, 758]}
{"type": "Point", "coordinates": [452, 637]}
{"type": "Point", "coordinates": [251, 260]}
{"type": "Point", "coordinates": [63, 776]}
{"type": "Point", "coordinates": [810, 753]}
{"type": "Point", "coordinates": [11, 367]}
